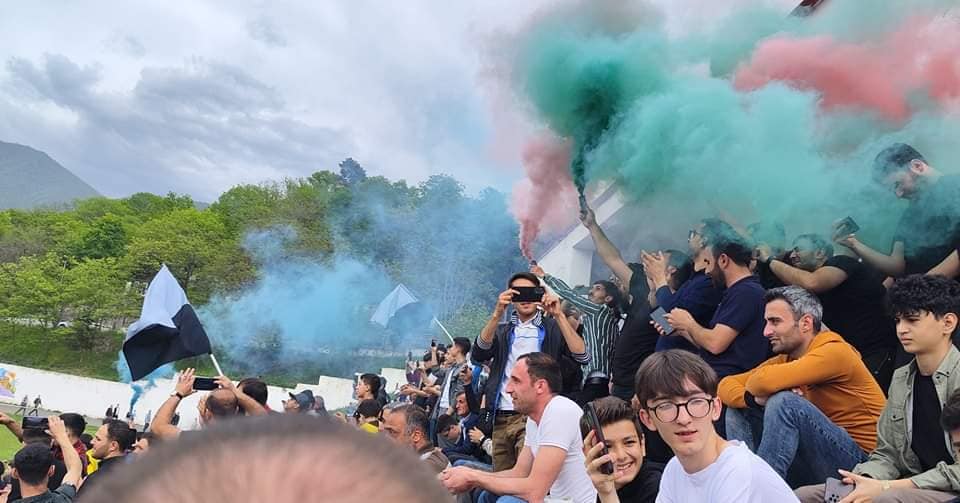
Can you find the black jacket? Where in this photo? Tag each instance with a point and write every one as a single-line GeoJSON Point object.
{"type": "Point", "coordinates": [553, 345]}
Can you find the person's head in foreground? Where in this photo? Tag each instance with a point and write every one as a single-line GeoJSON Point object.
{"type": "Point", "coordinates": [622, 436]}
{"type": "Point", "coordinates": [926, 309]}
{"type": "Point", "coordinates": [677, 392]}
{"type": "Point", "coordinates": [218, 405]}
{"type": "Point", "coordinates": [294, 458]}
{"type": "Point", "coordinates": [33, 466]}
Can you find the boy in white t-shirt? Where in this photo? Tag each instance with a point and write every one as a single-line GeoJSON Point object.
{"type": "Point", "coordinates": [677, 392]}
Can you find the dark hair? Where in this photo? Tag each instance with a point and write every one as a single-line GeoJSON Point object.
{"type": "Point", "coordinates": [87, 440]}
{"type": "Point", "coordinates": [818, 242]}
{"type": "Point", "coordinates": [463, 343]}
{"type": "Point", "coordinates": [524, 275]}
{"type": "Point", "coordinates": [254, 388]}
{"type": "Point", "coordinates": [222, 403]}
{"type": "Point", "coordinates": [894, 158]}
{"type": "Point", "coordinates": [445, 422]}
{"type": "Point", "coordinates": [611, 409]}
{"type": "Point", "coordinates": [34, 436]}
{"type": "Point", "coordinates": [415, 419]}
{"type": "Point", "coordinates": [917, 293]}
{"type": "Point", "coordinates": [714, 229]}
{"type": "Point", "coordinates": [372, 381]}
{"type": "Point", "coordinates": [294, 455]}
{"type": "Point", "coordinates": [33, 464]}
{"type": "Point", "coordinates": [682, 263]}
{"type": "Point", "coordinates": [146, 435]}
{"type": "Point", "coordinates": [543, 366]}
{"type": "Point", "coordinates": [121, 433]}
{"type": "Point", "coordinates": [616, 296]}
{"type": "Point", "coordinates": [950, 415]}
{"type": "Point", "coordinates": [75, 423]}
{"type": "Point", "coordinates": [733, 246]}
{"type": "Point", "coordinates": [662, 375]}
{"type": "Point", "coordinates": [369, 408]}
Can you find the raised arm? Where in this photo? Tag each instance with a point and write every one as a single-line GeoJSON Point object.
{"type": "Point", "coordinates": [574, 342]}
{"type": "Point", "coordinates": [162, 425]}
{"type": "Point", "coordinates": [608, 253]}
{"type": "Point", "coordinates": [950, 267]}
{"type": "Point", "coordinates": [892, 265]}
{"type": "Point", "coordinates": [567, 293]}
{"type": "Point", "coordinates": [248, 404]}
{"type": "Point", "coordinates": [70, 457]}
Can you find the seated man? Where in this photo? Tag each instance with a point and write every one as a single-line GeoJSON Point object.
{"type": "Point", "coordinates": [551, 461]}
{"type": "Point", "coordinates": [634, 479]}
{"type": "Point", "coordinates": [853, 298]}
{"type": "Point", "coordinates": [458, 433]}
{"type": "Point", "coordinates": [33, 467]}
{"type": "Point", "coordinates": [677, 392]}
{"type": "Point", "coordinates": [409, 426]}
{"type": "Point", "coordinates": [814, 407]}
{"type": "Point", "coordinates": [913, 460]}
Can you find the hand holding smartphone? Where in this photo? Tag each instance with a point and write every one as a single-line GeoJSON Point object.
{"type": "Point", "coordinates": [594, 421]}
{"type": "Point", "coordinates": [660, 317]}
{"type": "Point", "coordinates": [529, 293]}
{"type": "Point", "coordinates": [205, 384]}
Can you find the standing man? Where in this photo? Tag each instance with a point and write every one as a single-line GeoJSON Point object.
{"type": "Point", "coordinates": [527, 331]}
{"type": "Point", "coordinates": [110, 446]}
{"type": "Point", "coordinates": [35, 411]}
{"type": "Point", "coordinates": [928, 230]}
{"type": "Point", "coordinates": [450, 385]}
{"type": "Point", "coordinates": [601, 328]}
{"type": "Point", "coordinates": [23, 405]}
{"type": "Point", "coordinates": [33, 468]}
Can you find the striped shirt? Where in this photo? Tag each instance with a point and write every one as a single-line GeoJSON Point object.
{"type": "Point", "coordinates": [601, 326]}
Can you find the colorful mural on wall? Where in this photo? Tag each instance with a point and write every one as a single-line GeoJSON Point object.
{"type": "Point", "coordinates": [8, 383]}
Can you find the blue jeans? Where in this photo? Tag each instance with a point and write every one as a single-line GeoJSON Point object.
{"type": "Point", "coordinates": [489, 497]}
{"type": "Point", "coordinates": [800, 443]}
{"type": "Point", "coordinates": [476, 465]}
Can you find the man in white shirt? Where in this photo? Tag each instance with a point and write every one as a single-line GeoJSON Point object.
{"type": "Point", "coordinates": [551, 461]}
{"type": "Point", "coordinates": [677, 392]}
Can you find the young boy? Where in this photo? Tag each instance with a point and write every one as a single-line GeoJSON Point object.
{"type": "Point", "coordinates": [677, 392]}
{"type": "Point", "coordinates": [914, 460]}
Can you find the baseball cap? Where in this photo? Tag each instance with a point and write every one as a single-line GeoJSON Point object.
{"type": "Point", "coordinates": [304, 399]}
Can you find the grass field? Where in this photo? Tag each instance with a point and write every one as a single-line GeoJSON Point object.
{"type": "Point", "coordinates": [9, 445]}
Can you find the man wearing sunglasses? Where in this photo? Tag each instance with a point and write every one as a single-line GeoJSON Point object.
{"type": "Point", "coordinates": [677, 392]}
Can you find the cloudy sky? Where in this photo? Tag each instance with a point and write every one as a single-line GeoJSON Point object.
{"type": "Point", "coordinates": [196, 97]}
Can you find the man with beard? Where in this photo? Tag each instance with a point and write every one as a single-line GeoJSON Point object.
{"type": "Point", "coordinates": [853, 298]}
{"type": "Point", "coordinates": [733, 341]}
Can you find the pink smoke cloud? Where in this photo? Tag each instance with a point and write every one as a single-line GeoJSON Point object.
{"type": "Point", "coordinates": [922, 56]}
{"type": "Point", "coordinates": [545, 201]}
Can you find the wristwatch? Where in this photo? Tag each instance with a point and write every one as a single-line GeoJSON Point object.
{"type": "Point", "coordinates": [178, 395]}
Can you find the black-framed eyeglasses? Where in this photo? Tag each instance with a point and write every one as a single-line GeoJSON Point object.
{"type": "Point", "coordinates": [697, 408]}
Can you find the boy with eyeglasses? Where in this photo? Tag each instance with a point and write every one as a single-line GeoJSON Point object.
{"type": "Point", "coordinates": [677, 392]}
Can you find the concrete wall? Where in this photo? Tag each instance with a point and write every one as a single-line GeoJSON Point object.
{"type": "Point", "coordinates": [92, 397]}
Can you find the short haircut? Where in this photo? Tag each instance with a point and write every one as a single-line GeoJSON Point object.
{"type": "Point", "coordinates": [33, 463]}
{"type": "Point", "coordinates": [543, 366]}
{"type": "Point", "coordinates": [121, 433]}
{"type": "Point", "coordinates": [894, 158]}
{"type": "Point", "coordinates": [254, 388]}
{"type": "Point", "coordinates": [800, 301]}
{"type": "Point", "coordinates": [663, 373]}
{"type": "Point", "coordinates": [714, 229]}
{"type": "Point", "coordinates": [414, 418]}
{"type": "Point", "coordinates": [296, 457]}
{"type": "Point", "coordinates": [369, 408]}
{"type": "Point", "coordinates": [613, 291]}
{"type": "Point", "coordinates": [87, 440]}
{"type": "Point", "coordinates": [682, 263]}
{"type": "Point", "coordinates": [445, 422]}
{"type": "Point", "coordinates": [222, 404]}
{"type": "Point", "coordinates": [817, 242]}
{"type": "Point", "coordinates": [733, 246]}
{"type": "Point", "coordinates": [463, 343]}
{"type": "Point", "coordinates": [917, 293]}
{"type": "Point", "coordinates": [529, 276]}
{"type": "Point", "coordinates": [34, 436]}
{"type": "Point", "coordinates": [950, 415]}
{"type": "Point", "coordinates": [74, 422]}
{"type": "Point", "coordinates": [372, 381]}
{"type": "Point", "coordinates": [611, 409]}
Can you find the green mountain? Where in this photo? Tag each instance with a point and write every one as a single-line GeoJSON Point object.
{"type": "Point", "coordinates": [30, 178]}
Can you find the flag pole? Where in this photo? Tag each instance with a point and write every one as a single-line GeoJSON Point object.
{"type": "Point", "coordinates": [216, 365]}
{"type": "Point", "coordinates": [435, 320]}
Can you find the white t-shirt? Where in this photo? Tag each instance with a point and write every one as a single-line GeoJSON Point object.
{"type": "Point", "coordinates": [737, 476]}
{"type": "Point", "coordinates": [526, 340]}
{"type": "Point", "coordinates": [560, 427]}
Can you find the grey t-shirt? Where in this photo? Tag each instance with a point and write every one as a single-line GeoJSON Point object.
{"type": "Point", "coordinates": [64, 494]}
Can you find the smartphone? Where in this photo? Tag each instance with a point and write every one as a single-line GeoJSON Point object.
{"type": "Point", "coordinates": [34, 423]}
{"type": "Point", "coordinates": [529, 293]}
{"type": "Point", "coordinates": [591, 411]}
{"type": "Point", "coordinates": [660, 316]}
{"type": "Point", "coordinates": [204, 384]}
{"type": "Point", "coordinates": [836, 490]}
{"type": "Point", "coordinates": [847, 226]}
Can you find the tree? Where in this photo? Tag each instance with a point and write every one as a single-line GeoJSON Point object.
{"type": "Point", "coordinates": [96, 292]}
{"type": "Point", "coordinates": [352, 172]}
{"type": "Point", "coordinates": [248, 206]}
{"type": "Point", "coordinates": [34, 289]}
{"type": "Point", "coordinates": [105, 237]}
